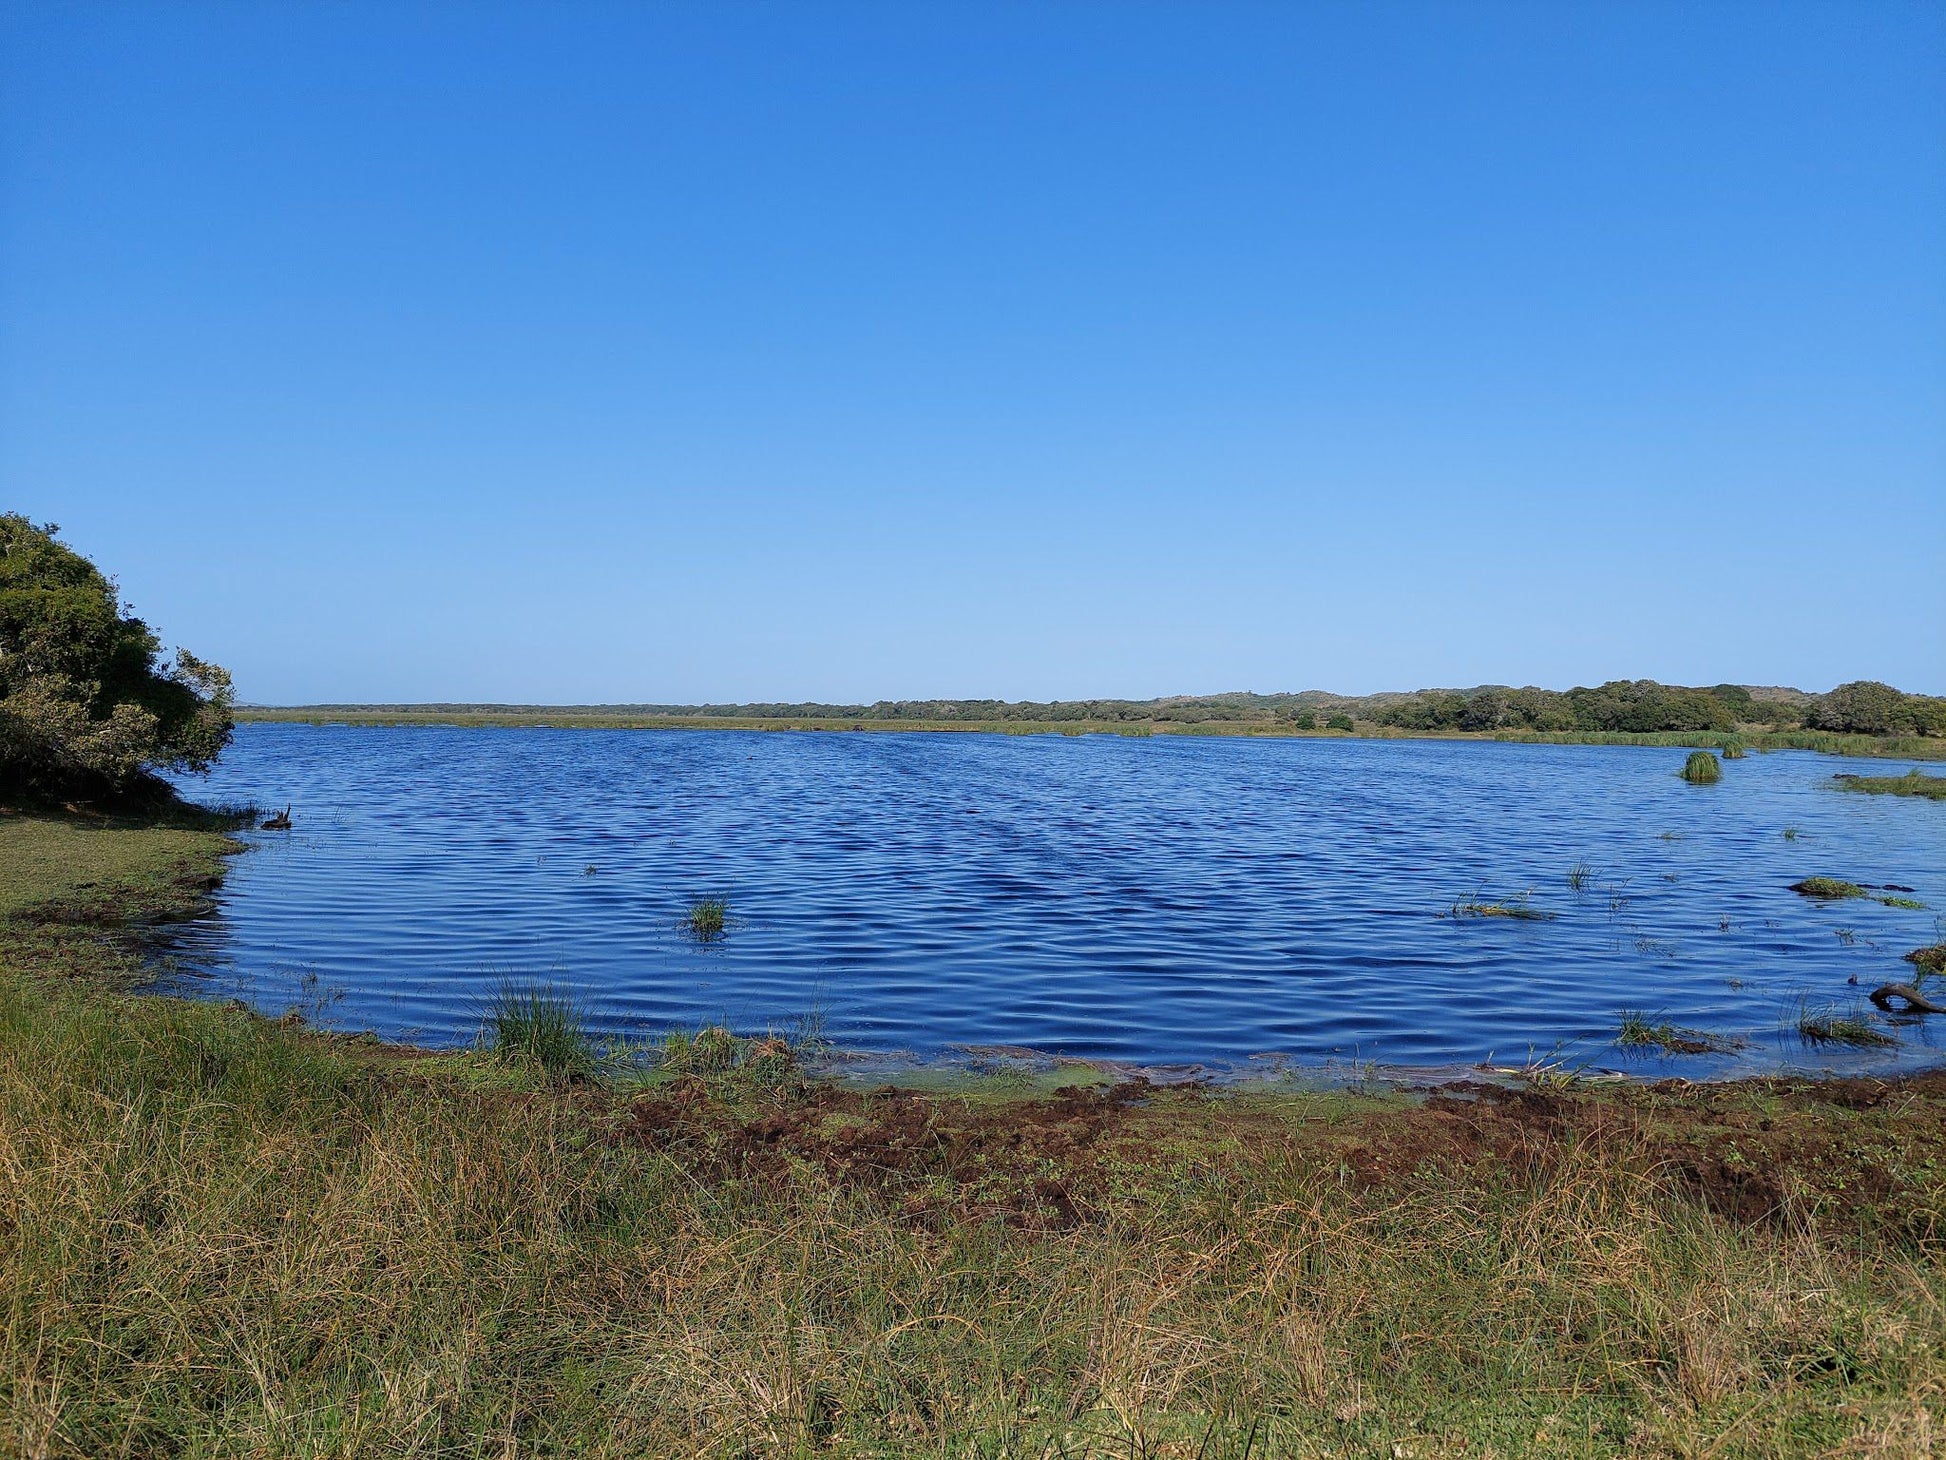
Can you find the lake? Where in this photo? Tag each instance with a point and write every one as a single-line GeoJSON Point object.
{"type": "Point", "coordinates": [1237, 904]}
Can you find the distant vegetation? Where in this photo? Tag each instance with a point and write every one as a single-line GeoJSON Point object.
{"type": "Point", "coordinates": [88, 707]}
{"type": "Point", "coordinates": [1854, 719]}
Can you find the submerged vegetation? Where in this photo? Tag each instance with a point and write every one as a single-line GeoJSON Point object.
{"type": "Point", "coordinates": [1702, 769]}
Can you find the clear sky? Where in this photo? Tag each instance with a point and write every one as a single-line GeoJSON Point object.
{"type": "Point", "coordinates": [663, 352]}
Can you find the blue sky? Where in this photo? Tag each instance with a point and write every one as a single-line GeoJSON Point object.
{"type": "Point", "coordinates": [731, 351]}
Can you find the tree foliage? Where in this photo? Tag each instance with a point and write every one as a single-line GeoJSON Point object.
{"type": "Point", "coordinates": [88, 704]}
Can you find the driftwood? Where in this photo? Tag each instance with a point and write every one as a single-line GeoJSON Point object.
{"type": "Point", "coordinates": [1915, 1002]}
{"type": "Point", "coordinates": [280, 822]}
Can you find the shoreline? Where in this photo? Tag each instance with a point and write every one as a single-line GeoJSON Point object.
{"type": "Point", "coordinates": [221, 1226]}
{"type": "Point", "coordinates": [1757, 739]}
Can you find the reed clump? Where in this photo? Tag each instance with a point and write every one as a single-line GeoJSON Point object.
{"type": "Point", "coordinates": [707, 919]}
{"type": "Point", "coordinates": [541, 1027]}
{"type": "Point", "coordinates": [1851, 1025]}
{"type": "Point", "coordinates": [1702, 768]}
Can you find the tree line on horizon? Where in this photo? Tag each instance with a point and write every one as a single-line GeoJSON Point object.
{"type": "Point", "coordinates": [1862, 707]}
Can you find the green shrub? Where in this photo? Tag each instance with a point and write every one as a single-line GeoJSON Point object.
{"type": "Point", "coordinates": [1305, 721]}
{"type": "Point", "coordinates": [87, 705]}
{"type": "Point", "coordinates": [1702, 768]}
{"type": "Point", "coordinates": [1339, 722]}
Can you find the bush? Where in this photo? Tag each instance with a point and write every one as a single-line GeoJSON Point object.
{"type": "Point", "coordinates": [1866, 707]}
{"type": "Point", "coordinates": [1339, 722]}
{"type": "Point", "coordinates": [87, 705]}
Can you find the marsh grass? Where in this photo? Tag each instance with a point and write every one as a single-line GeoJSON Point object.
{"type": "Point", "coordinates": [1517, 908]}
{"type": "Point", "coordinates": [1830, 889]}
{"type": "Point", "coordinates": [1929, 960]}
{"type": "Point", "coordinates": [540, 1027]}
{"type": "Point", "coordinates": [1702, 768]}
{"type": "Point", "coordinates": [1733, 750]}
{"type": "Point", "coordinates": [1912, 783]}
{"type": "Point", "coordinates": [1834, 889]}
{"type": "Point", "coordinates": [1847, 1024]}
{"type": "Point", "coordinates": [707, 919]}
{"type": "Point", "coordinates": [1638, 1031]}
{"type": "Point", "coordinates": [1580, 875]}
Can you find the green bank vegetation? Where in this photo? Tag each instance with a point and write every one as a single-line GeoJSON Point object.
{"type": "Point", "coordinates": [1640, 1031]}
{"type": "Point", "coordinates": [227, 1235]}
{"type": "Point", "coordinates": [1859, 719]}
{"type": "Point", "coordinates": [1912, 783]}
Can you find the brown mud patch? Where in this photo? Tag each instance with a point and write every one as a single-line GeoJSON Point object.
{"type": "Point", "coordinates": [1835, 1153]}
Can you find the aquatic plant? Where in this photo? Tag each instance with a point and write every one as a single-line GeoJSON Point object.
{"type": "Point", "coordinates": [1833, 1024]}
{"type": "Point", "coordinates": [1790, 833]}
{"type": "Point", "coordinates": [1829, 888]}
{"type": "Point", "coordinates": [1912, 783]}
{"type": "Point", "coordinates": [1580, 875]}
{"type": "Point", "coordinates": [1929, 960]}
{"type": "Point", "coordinates": [1637, 1032]}
{"type": "Point", "coordinates": [1477, 906]}
{"type": "Point", "coordinates": [1733, 750]}
{"type": "Point", "coordinates": [715, 1050]}
{"type": "Point", "coordinates": [708, 919]}
{"type": "Point", "coordinates": [1702, 768]}
{"type": "Point", "coordinates": [540, 1027]}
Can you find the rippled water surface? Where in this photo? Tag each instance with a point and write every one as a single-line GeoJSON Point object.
{"type": "Point", "coordinates": [1159, 900]}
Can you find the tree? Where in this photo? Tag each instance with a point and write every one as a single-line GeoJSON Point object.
{"type": "Point", "coordinates": [1866, 707]}
{"type": "Point", "coordinates": [88, 706]}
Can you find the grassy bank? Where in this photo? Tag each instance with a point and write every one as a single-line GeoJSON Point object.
{"type": "Point", "coordinates": [225, 1236]}
{"type": "Point", "coordinates": [1908, 747]}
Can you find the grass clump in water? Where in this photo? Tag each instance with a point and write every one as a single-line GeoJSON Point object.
{"type": "Point", "coordinates": [1929, 960]}
{"type": "Point", "coordinates": [1702, 768]}
{"type": "Point", "coordinates": [541, 1028]}
{"type": "Point", "coordinates": [708, 919]}
{"type": "Point", "coordinates": [1637, 1032]}
{"type": "Point", "coordinates": [1834, 1025]}
{"type": "Point", "coordinates": [1831, 889]}
{"type": "Point", "coordinates": [1912, 783]}
{"type": "Point", "coordinates": [1580, 875]}
{"type": "Point", "coordinates": [1517, 908]}
{"type": "Point", "coordinates": [1733, 750]}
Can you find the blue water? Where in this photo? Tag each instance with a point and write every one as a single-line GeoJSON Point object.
{"type": "Point", "coordinates": [1151, 901]}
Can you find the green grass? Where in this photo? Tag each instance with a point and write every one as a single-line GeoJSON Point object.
{"type": "Point", "coordinates": [708, 919]}
{"type": "Point", "coordinates": [1638, 1032]}
{"type": "Point", "coordinates": [1849, 1025]}
{"type": "Point", "coordinates": [1702, 769]}
{"type": "Point", "coordinates": [1929, 960]}
{"type": "Point", "coordinates": [1834, 889]}
{"type": "Point", "coordinates": [222, 1235]}
{"type": "Point", "coordinates": [540, 1027]}
{"type": "Point", "coordinates": [1580, 875]}
{"type": "Point", "coordinates": [1516, 908]}
{"type": "Point", "coordinates": [1912, 783]}
{"type": "Point", "coordinates": [1828, 888]}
